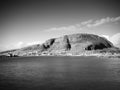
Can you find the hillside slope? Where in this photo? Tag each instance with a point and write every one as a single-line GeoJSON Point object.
{"type": "Point", "coordinates": [74, 44]}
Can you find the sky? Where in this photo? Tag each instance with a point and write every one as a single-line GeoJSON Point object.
{"type": "Point", "coordinates": [27, 22]}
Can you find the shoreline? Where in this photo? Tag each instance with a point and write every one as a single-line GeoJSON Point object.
{"type": "Point", "coordinates": [101, 55]}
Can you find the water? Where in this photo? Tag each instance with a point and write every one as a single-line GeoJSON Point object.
{"type": "Point", "coordinates": [64, 73]}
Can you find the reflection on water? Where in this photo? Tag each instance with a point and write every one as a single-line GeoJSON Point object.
{"type": "Point", "coordinates": [70, 73]}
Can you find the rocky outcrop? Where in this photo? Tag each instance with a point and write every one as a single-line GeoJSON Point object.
{"type": "Point", "coordinates": [77, 42]}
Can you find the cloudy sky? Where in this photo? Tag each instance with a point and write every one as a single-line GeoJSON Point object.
{"type": "Point", "coordinates": [26, 22]}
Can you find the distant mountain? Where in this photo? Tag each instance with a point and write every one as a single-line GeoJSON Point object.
{"type": "Point", "coordinates": [75, 44]}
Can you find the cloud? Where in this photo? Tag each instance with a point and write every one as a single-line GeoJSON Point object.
{"type": "Point", "coordinates": [18, 45]}
{"type": "Point", "coordinates": [115, 39]}
{"type": "Point", "coordinates": [103, 21]}
{"type": "Point", "coordinates": [106, 36]}
{"type": "Point", "coordinates": [21, 44]}
{"type": "Point", "coordinates": [71, 27]}
{"type": "Point", "coordinates": [85, 24]}
{"type": "Point", "coordinates": [115, 19]}
{"type": "Point", "coordinates": [33, 43]}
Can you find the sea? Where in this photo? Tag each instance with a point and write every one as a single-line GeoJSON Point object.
{"type": "Point", "coordinates": [59, 73]}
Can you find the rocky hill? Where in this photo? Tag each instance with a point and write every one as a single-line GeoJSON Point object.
{"type": "Point", "coordinates": [75, 44]}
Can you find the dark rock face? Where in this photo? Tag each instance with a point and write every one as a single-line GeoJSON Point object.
{"type": "Point", "coordinates": [96, 46]}
{"type": "Point", "coordinates": [48, 43]}
{"type": "Point", "coordinates": [61, 43]}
